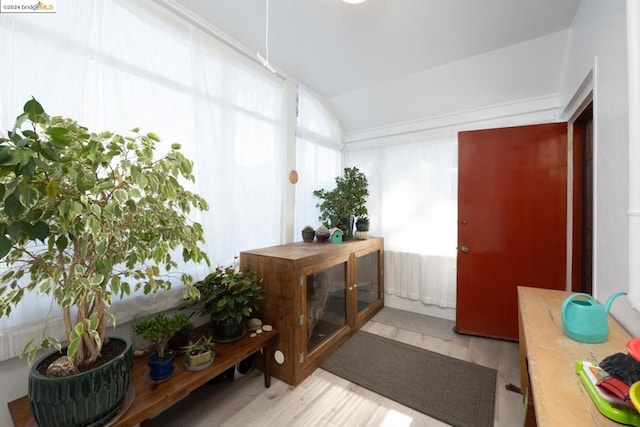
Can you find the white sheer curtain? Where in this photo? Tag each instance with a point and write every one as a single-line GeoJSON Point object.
{"type": "Point", "coordinates": [318, 157]}
{"type": "Point", "coordinates": [117, 65]}
{"type": "Point", "coordinates": [413, 205]}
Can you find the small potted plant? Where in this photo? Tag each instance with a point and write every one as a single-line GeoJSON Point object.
{"type": "Point", "coordinates": [362, 228]}
{"type": "Point", "coordinates": [322, 234]}
{"type": "Point", "coordinates": [227, 296]}
{"type": "Point", "coordinates": [308, 234]}
{"type": "Point", "coordinates": [157, 330]}
{"type": "Point", "coordinates": [199, 353]}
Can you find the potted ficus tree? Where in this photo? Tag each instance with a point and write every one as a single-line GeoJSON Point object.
{"type": "Point", "coordinates": [84, 214]}
{"type": "Point", "coordinates": [158, 330]}
{"type": "Point", "coordinates": [347, 200]}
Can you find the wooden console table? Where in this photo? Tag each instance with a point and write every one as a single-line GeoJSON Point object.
{"type": "Point", "coordinates": [559, 397]}
{"type": "Point", "coordinates": [151, 399]}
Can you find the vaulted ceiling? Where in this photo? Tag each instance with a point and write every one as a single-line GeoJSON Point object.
{"type": "Point", "coordinates": [335, 48]}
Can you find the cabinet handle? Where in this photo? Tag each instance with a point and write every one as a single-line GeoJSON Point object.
{"type": "Point", "coordinates": [350, 288]}
{"type": "Point", "coordinates": [355, 285]}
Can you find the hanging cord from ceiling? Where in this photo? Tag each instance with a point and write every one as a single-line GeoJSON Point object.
{"type": "Point", "coordinates": [265, 62]}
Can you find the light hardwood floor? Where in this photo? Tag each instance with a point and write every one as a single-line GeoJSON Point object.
{"type": "Point", "coordinates": [324, 399]}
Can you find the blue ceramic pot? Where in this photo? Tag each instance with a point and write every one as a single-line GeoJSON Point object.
{"type": "Point", "coordinates": [159, 369]}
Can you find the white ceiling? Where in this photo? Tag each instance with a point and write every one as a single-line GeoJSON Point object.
{"type": "Point", "coordinates": [335, 47]}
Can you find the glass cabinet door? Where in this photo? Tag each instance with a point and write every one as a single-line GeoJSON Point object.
{"type": "Point", "coordinates": [326, 304]}
{"type": "Point", "coordinates": [367, 289]}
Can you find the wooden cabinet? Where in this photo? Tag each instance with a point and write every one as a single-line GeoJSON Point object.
{"type": "Point", "coordinates": [316, 295]}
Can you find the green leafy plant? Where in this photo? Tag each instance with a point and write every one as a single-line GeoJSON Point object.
{"type": "Point", "coordinates": [83, 214]}
{"type": "Point", "coordinates": [362, 224]}
{"type": "Point", "coordinates": [346, 200]}
{"type": "Point", "coordinates": [228, 293]}
{"type": "Point", "coordinates": [158, 329]}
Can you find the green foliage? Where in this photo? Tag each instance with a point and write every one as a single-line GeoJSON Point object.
{"type": "Point", "coordinates": [347, 199]}
{"type": "Point", "coordinates": [83, 214]}
{"type": "Point", "coordinates": [201, 345]}
{"type": "Point", "coordinates": [362, 224]}
{"type": "Point", "coordinates": [157, 330]}
{"type": "Point", "coordinates": [226, 293]}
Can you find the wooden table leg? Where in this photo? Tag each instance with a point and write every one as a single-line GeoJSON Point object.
{"type": "Point", "coordinates": [266, 361]}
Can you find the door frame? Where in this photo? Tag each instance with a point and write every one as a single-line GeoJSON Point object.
{"type": "Point", "coordinates": [578, 200]}
{"type": "Point", "coordinates": [583, 104]}
{"type": "Point", "coordinates": [582, 98]}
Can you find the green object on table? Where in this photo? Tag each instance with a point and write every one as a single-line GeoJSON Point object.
{"type": "Point", "coordinates": [619, 413]}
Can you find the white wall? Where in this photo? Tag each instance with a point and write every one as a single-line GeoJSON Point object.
{"type": "Point", "coordinates": [522, 71]}
{"type": "Point", "coordinates": [598, 46]}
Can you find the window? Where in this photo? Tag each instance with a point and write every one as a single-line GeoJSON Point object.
{"type": "Point", "coordinates": [157, 72]}
{"type": "Point", "coordinates": [318, 157]}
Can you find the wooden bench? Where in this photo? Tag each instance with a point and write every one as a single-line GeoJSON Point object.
{"type": "Point", "coordinates": [150, 399]}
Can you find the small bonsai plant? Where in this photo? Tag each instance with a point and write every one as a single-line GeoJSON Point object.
{"type": "Point", "coordinates": [346, 200]}
{"type": "Point", "coordinates": [308, 234]}
{"type": "Point", "coordinates": [228, 295]}
{"type": "Point", "coordinates": [158, 329]}
{"type": "Point", "coordinates": [199, 352]}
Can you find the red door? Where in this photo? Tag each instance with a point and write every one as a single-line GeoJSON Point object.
{"type": "Point", "coordinates": [512, 216]}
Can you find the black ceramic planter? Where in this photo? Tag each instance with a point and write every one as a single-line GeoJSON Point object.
{"type": "Point", "coordinates": [227, 330]}
{"type": "Point", "coordinates": [89, 398]}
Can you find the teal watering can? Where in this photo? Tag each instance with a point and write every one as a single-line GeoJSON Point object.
{"type": "Point", "coordinates": [584, 319]}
